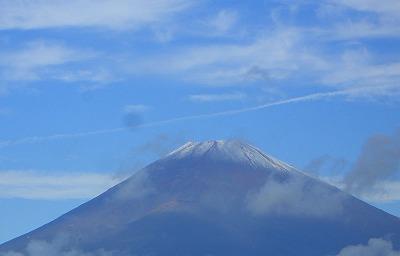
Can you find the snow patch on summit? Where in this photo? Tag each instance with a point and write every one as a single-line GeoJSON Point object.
{"type": "Point", "coordinates": [230, 150]}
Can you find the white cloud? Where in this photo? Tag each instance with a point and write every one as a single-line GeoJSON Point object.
{"type": "Point", "coordinates": [117, 14]}
{"type": "Point", "coordinates": [39, 54]}
{"type": "Point", "coordinates": [273, 56]}
{"type": "Point", "coordinates": [391, 7]}
{"type": "Point", "coordinates": [375, 247]}
{"type": "Point", "coordinates": [59, 246]}
{"type": "Point", "coordinates": [384, 191]}
{"type": "Point", "coordinates": [216, 97]}
{"type": "Point", "coordinates": [281, 55]}
{"type": "Point", "coordinates": [360, 69]}
{"type": "Point", "coordinates": [40, 59]}
{"type": "Point", "coordinates": [377, 19]}
{"type": "Point", "coordinates": [363, 29]}
{"type": "Point", "coordinates": [295, 197]}
{"type": "Point", "coordinates": [136, 187]}
{"type": "Point", "coordinates": [39, 185]}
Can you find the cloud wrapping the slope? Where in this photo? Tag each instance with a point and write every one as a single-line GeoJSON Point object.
{"type": "Point", "coordinates": [375, 247]}
{"type": "Point", "coordinates": [378, 162]}
{"type": "Point", "coordinates": [37, 185]}
{"type": "Point", "coordinates": [117, 14]}
{"type": "Point", "coordinates": [326, 165]}
{"type": "Point", "coordinates": [57, 247]}
{"type": "Point", "coordinates": [295, 197]}
{"type": "Point", "coordinates": [375, 175]}
{"type": "Point", "coordinates": [136, 187]}
{"type": "Point", "coordinates": [382, 192]}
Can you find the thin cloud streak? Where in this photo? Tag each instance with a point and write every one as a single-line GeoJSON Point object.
{"type": "Point", "coordinates": [311, 97]}
{"type": "Point", "coordinates": [66, 185]}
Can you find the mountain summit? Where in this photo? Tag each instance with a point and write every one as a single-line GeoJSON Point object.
{"type": "Point", "coordinates": [231, 151]}
{"type": "Point", "coordinates": [212, 198]}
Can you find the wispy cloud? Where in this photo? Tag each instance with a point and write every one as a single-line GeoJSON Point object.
{"type": "Point", "coordinates": [387, 7]}
{"type": "Point", "coordinates": [279, 53]}
{"type": "Point", "coordinates": [217, 97]}
{"type": "Point", "coordinates": [118, 14]}
{"type": "Point", "coordinates": [282, 55]}
{"type": "Point", "coordinates": [310, 97]}
{"type": "Point", "coordinates": [40, 59]}
{"type": "Point", "coordinates": [355, 19]}
{"type": "Point", "coordinates": [59, 185]}
{"type": "Point", "coordinates": [223, 21]}
{"type": "Point", "coordinates": [269, 57]}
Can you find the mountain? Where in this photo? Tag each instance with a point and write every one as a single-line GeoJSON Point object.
{"type": "Point", "coordinates": [212, 198]}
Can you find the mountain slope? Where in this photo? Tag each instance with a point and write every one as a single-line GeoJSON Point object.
{"type": "Point", "coordinates": [214, 198]}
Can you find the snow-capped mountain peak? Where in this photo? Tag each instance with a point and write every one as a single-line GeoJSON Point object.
{"type": "Point", "coordinates": [229, 151]}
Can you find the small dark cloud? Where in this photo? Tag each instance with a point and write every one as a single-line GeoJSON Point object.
{"type": "Point", "coordinates": [132, 120]}
{"type": "Point", "coordinates": [379, 161]}
{"type": "Point", "coordinates": [133, 116]}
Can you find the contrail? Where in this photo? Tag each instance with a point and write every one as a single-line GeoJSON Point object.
{"type": "Point", "coordinates": [38, 139]}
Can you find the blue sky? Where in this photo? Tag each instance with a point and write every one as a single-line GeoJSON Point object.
{"type": "Point", "coordinates": [92, 90]}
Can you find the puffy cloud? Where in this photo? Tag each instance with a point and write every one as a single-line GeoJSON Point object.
{"type": "Point", "coordinates": [375, 247]}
